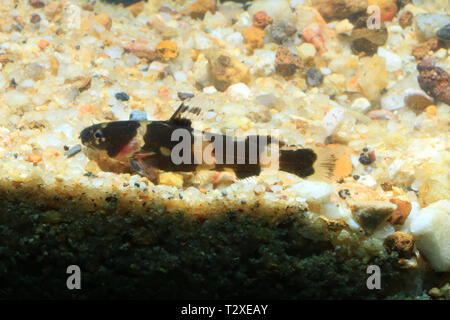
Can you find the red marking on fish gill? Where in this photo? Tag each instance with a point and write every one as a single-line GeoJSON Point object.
{"type": "Point", "coordinates": [131, 147]}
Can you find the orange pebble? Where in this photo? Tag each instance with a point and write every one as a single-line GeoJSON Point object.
{"type": "Point", "coordinates": [50, 153]}
{"type": "Point", "coordinates": [261, 19]}
{"type": "Point", "coordinates": [388, 8]}
{"type": "Point", "coordinates": [43, 43]}
{"type": "Point", "coordinates": [35, 158]}
{"type": "Point", "coordinates": [163, 91]}
{"type": "Point", "coordinates": [87, 108]}
{"type": "Point", "coordinates": [353, 85]}
{"type": "Point", "coordinates": [402, 212]}
{"type": "Point", "coordinates": [317, 34]}
{"type": "Point", "coordinates": [431, 110]}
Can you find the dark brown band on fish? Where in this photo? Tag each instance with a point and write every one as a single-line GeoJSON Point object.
{"type": "Point", "coordinates": [121, 133]}
{"type": "Point", "coordinates": [299, 162]}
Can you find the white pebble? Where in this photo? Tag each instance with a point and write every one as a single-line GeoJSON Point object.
{"type": "Point", "coordinates": [239, 89]}
{"type": "Point", "coordinates": [200, 71]}
{"type": "Point", "coordinates": [430, 227]}
{"type": "Point", "coordinates": [16, 98]}
{"type": "Point", "coordinates": [114, 52]}
{"type": "Point", "coordinates": [392, 102]}
{"type": "Point", "coordinates": [344, 26]}
{"type": "Point", "coordinates": [49, 141]}
{"type": "Point", "coordinates": [393, 61]}
{"type": "Point", "coordinates": [210, 115]}
{"type": "Point", "coordinates": [263, 62]}
{"type": "Point", "coordinates": [236, 39]}
{"type": "Point", "coordinates": [28, 83]}
{"type": "Point", "coordinates": [333, 211]}
{"type": "Point", "coordinates": [65, 129]}
{"type": "Point", "coordinates": [361, 105]}
{"type": "Point", "coordinates": [306, 50]}
{"type": "Point", "coordinates": [325, 71]}
{"type": "Point", "coordinates": [73, 16]}
{"type": "Point", "coordinates": [395, 29]}
{"type": "Point", "coordinates": [209, 90]}
{"type": "Point", "coordinates": [119, 111]}
{"type": "Point", "coordinates": [157, 66]}
{"type": "Point", "coordinates": [202, 42]}
{"type": "Point", "coordinates": [353, 224]}
{"type": "Point", "coordinates": [367, 180]}
{"type": "Point", "coordinates": [14, 119]}
{"type": "Point", "coordinates": [314, 191]}
{"type": "Point", "coordinates": [97, 182]}
{"type": "Point", "coordinates": [332, 119]}
{"type": "Point", "coordinates": [244, 21]}
{"type": "Point", "coordinates": [277, 188]}
{"type": "Point", "coordinates": [180, 76]}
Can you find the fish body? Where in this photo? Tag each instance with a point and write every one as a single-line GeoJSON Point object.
{"type": "Point", "coordinates": [173, 145]}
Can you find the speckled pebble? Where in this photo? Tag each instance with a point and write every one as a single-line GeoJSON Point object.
{"type": "Point", "coordinates": [314, 77]}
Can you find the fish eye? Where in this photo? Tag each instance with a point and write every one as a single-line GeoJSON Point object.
{"type": "Point", "coordinates": [98, 135]}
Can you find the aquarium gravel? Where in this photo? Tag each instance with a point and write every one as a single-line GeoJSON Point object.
{"type": "Point", "coordinates": [314, 70]}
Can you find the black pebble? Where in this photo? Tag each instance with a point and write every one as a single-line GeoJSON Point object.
{"type": "Point", "coordinates": [364, 159]}
{"type": "Point", "coordinates": [122, 96]}
{"type": "Point", "coordinates": [344, 193]}
{"type": "Point", "coordinates": [13, 83]}
{"type": "Point", "coordinates": [314, 77]}
{"type": "Point", "coordinates": [444, 32]}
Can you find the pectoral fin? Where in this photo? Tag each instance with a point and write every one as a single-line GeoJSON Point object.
{"type": "Point", "coordinates": [146, 165]}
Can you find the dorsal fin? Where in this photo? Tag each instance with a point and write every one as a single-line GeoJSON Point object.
{"type": "Point", "coordinates": [184, 114]}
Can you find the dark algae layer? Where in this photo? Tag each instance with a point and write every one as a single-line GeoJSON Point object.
{"type": "Point", "coordinates": [153, 254]}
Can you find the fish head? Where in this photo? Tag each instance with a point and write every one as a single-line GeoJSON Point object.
{"type": "Point", "coordinates": [111, 137]}
{"type": "Point", "coordinates": [94, 137]}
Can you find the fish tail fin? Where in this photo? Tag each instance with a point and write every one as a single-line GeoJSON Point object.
{"type": "Point", "coordinates": [326, 165]}
{"type": "Point", "coordinates": [317, 163]}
